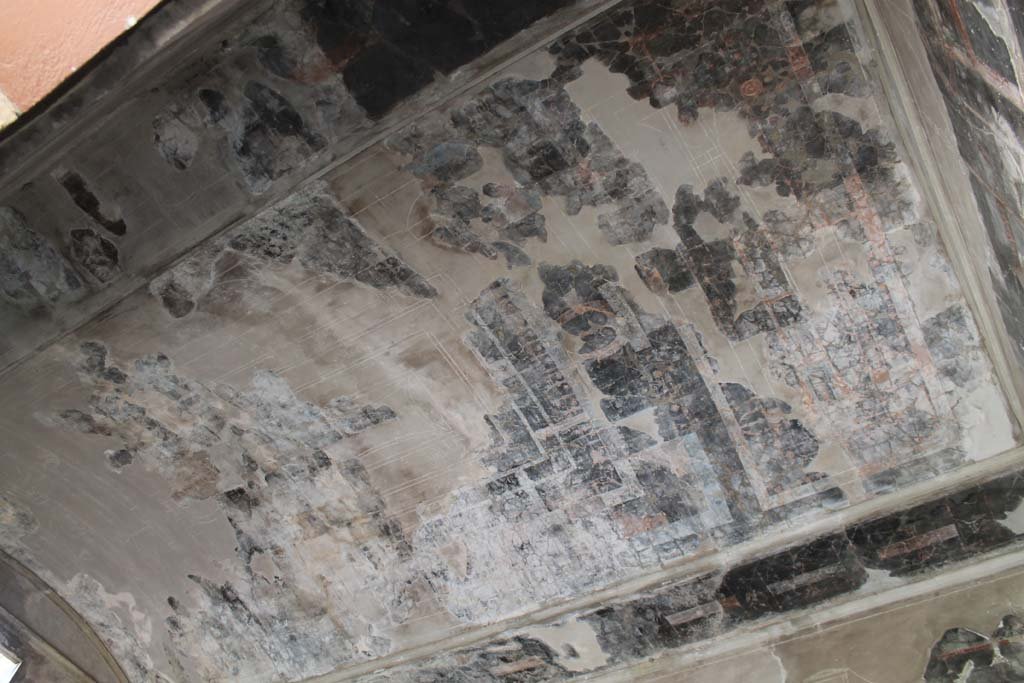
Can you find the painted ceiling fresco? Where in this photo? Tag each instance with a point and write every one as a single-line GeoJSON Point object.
{"type": "Point", "coordinates": [661, 287]}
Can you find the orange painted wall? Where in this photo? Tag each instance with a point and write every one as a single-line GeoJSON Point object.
{"type": "Point", "coordinates": [42, 42]}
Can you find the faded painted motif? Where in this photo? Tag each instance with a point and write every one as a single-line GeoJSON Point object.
{"type": "Point", "coordinates": [661, 288]}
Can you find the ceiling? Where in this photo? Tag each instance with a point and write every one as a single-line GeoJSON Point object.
{"type": "Point", "coordinates": [371, 325]}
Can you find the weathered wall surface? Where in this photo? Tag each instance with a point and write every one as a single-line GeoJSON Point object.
{"type": "Point", "coordinates": [43, 631]}
{"type": "Point", "coordinates": [634, 637]}
{"type": "Point", "coordinates": [241, 117]}
{"type": "Point", "coordinates": [971, 634]}
{"type": "Point", "coordinates": [974, 54]}
{"type": "Point", "coordinates": [660, 288]}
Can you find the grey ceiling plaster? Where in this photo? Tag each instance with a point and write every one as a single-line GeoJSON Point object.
{"type": "Point", "coordinates": [664, 287]}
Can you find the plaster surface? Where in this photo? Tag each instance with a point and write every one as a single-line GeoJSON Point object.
{"type": "Point", "coordinates": [908, 642]}
{"type": "Point", "coordinates": [663, 286]}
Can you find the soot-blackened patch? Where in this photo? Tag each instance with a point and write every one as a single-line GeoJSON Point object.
{"type": "Point", "coordinates": [666, 618]}
{"type": "Point", "coordinates": [176, 299]}
{"type": "Point", "coordinates": [945, 530]}
{"type": "Point", "coordinates": [793, 579]}
{"type": "Point", "coordinates": [308, 228]}
{"type": "Point", "coordinates": [664, 270]}
{"type": "Point", "coordinates": [988, 127]}
{"type": "Point", "coordinates": [267, 135]}
{"type": "Point", "coordinates": [954, 345]}
{"type": "Point", "coordinates": [573, 296]}
{"type": "Point", "coordinates": [804, 577]}
{"type": "Point", "coordinates": [987, 46]}
{"type": "Point", "coordinates": [965, 655]}
{"type": "Point", "coordinates": [502, 19]}
{"type": "Point", "coordinates": [448, 162]}
{"type": "Point", "coordinates": [783, 447]}
{"type": "Point", "coordinates": [33, 275]}
{"type": "Point", "coordinates": [381, 76]}
{"type": "Point", "coordinates": [175, 140]}
{"type": "Point", "coordinates": [268, 113]}
{"type": "Point", "coordinates": [713, 263]}
{"type": "Point", "coordinates": [514, 256]}
{"type": "Point", "coordinates": [548, 149]}
{"type": "Point", "coordinates": [120, 458]}
{"type": "Point", "coordinates": [434, 32]}
{"type": "Point", "coordinates": [96, 254]}
{"type": "Point", "coordinates": [531, 226]}
{"type": "Point", "coordinates": [454, 206]}
{"type": "Point", "coordinates": [215, 103]}
{"type": "Point", "coordinates": [88, 202]}
{"type": "Point", "coordinates": [642, 364]}
{"type": "Point", "coordinates": [274, 56]}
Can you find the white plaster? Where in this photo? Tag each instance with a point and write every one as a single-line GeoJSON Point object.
{"type": "Point", "coordinates": [1015, 520]}
{"type": "Point", "coordinates": [580, 636]}
{"type": "Point", "coordinates": [986, 422]}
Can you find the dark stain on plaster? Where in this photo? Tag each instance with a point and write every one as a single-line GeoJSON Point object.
{"type": "Point", "coordinates": [782, 446]}
{"type": "Point", "coordinates": [33, 274]}
{"type": "Point", "coordinates": [214, 101]}
{"type": "Point", "coordinates": [985, 124]}
{"type": "Point", "coordinates": [266, 117]}
{"type": "Point", "coordinates": [176, 299]}
{"type": "Point", "coordinates": [95, 254]}
{"type": "Point", "coordinates": [269, 132]}
{"type": "Point", "coordinates": [713, 263]}
{"type": "Point", "coordinates": [952, 340]}
{"type": "Point", "coordinates": [963, 25]}
{"type": "Point", "coordinates": [687, 56]}
{"type": "Point", "coordinates": [88, 202]}
{"type": "Point", "coordinates": [548, 149]}
{"type": "Point", "coordinates": [309, 229]}
{"type": "Point", "coordinates": [965, 656]}
{"type": "Point", "coordinates": [953, 528]}
{"type": "Point", "coordinates": [122, 457]}
{"type": "Point", "coordinates": [175, 139]}
{"type": "Point", "coordinates": [381, 76]}
{"type": "Point", "coordinates": [389, 51]}
{"type": "Point", "coordinates": [793, 579]}
{"type": "Point", "coordinates": [664, 270]}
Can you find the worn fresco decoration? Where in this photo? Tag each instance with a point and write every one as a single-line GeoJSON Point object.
{"type": "Point", "coordinates": [657, 290]}
{"type": "Point", "coordinates": [969, 45]}
{"type": "Point", "coordinates": [354, 60]}
{"type": "Point", "coordinates": [265, 455]}
{"type": "Point", "coordinates": [309, 228]}
{"type": "Point", "coordinates": [232, 119]}
{"type": "Point", "coordinates": [964, 655]}
{"type": "Point", "coordinates": [913, 543]}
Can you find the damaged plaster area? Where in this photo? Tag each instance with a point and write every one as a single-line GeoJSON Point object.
{"type": "Point", "coordinates": [306, 71]}
{"type": "Point", "coordinates": [639, 298]}
{"type": "Point", "coordinates": [969, 46]}
{"type": "Point", "coordinates": [903, 546]}
{"type": "Point", "coordinates": [277, 466]}
{"type": "Point", "coordinates": [965, 656]}
{"type": "Point", "coordinates": [307, 230]}
{"type": "Point", "coordinates": [32, 273]}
